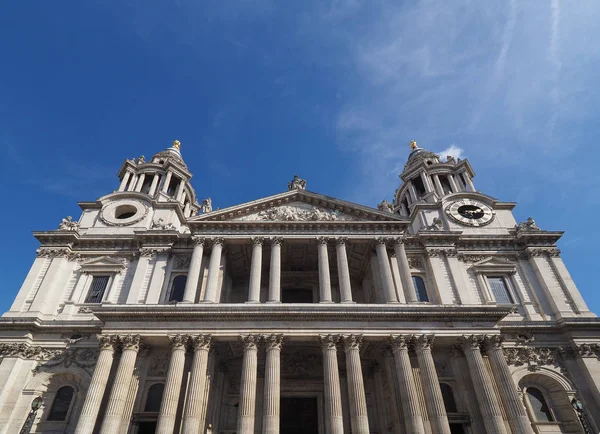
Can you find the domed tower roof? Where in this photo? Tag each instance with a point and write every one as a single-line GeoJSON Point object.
{"type": "Point", "coordinates": [419, 155]}
{"type": "Point", "coordinates": [173, 152]}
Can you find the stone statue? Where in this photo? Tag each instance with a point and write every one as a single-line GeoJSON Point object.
{"type": "Point", "coordinates": [297, 183]}
{"type": "Point", "coordinates": [140, 160]}
{"type": "Point", "coordinates": [206, 205]}
{"type": "Point", "coordinates": [450, 159]}
{"type": "Point", "coordinates": [528, 225]}
{"type": "Point", "coordinates": [385, 206]}
{"type": "Point", "coordinates": [67, 224]}
{"type": "Point", "coordinates": [437, 225]}
{"type": "Point", "coordinates": [161, 225]}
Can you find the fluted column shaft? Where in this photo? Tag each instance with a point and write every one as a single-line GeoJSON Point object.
{"type": "Point", "coordinates": [413, 419]}
{"type": "Point", "coordinates": [515, 410]}
{"type": "Point", "coordinates": [343, 271]}
{"type": "Point", "coordinates": [247, 407]}
{"type": "Point", "coordinates": [275, 274]}
{"type": "Point", "coordinates": [386, 272]}
{"type": "Point", "coordinates": [214, 267]}
{"type": "Point", "coordinates": [488, 403]}
{"type": "Point", "coordinates": [191, 284]}
{"type": "Point", "coordinates": [334, 423]}
{"type": "Point", "coordinates": [255, 271]}
{"type": "Point", "coordinates": [324, 276]}
{"type": "Point", "coordinates": [404, 267]}
{"type": "Point", "coordinates": [431, 386]}
{"type": "Point", "coordinates": [272, 384]}
{"type": "Point", "coordinates": [93, 398]}
{"type": "Point", "coordinates": [356, 388]}
{"type": "Point", "coordinates": [168, 406]}
{"type": "Point", "coordinates": [196, 402]}
{"type": "Point", "coordinates": [120, 388]}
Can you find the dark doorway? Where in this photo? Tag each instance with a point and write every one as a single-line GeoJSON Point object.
{"type": "Point", "coordinates": [299, 416]}
{"type": "Point", "coordinates": [297, 295]}
{"type": "Point", "coordinates": [147, 428]}
{"type": "Point", "coordinates": [456, 428]}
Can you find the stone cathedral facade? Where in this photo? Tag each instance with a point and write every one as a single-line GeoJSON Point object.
{"type": "Point", "coordinates": [299, 313]}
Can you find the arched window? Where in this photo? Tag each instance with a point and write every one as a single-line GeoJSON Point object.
{"type": "Point", "coordinates": [154, 397]}
{"type": "Point", "coordinates": [539, 407]}
{"type": "Point", "coordinates": [62, 403]}
{"type": "Point", "coordinates": [448, 397]}
{"type": "Point", "coordinates": [419, 284]}
{"type": "Point", "coordinates": [178, 288]}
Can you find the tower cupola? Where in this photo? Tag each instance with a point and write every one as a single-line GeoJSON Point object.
{"type": "Point", "coordinates": [427, 178]}
{"type": "Point", "coordinates": [165, 178]}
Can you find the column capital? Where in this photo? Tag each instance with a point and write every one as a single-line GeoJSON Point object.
{"type": "Point", "coordinates": [399, 240]}
{"type": "Point", "coordinates": [400, 342]}
{"type": "Point", "coordinates": [250, 342]}
{"type": "Point", "coordinates": [382, 240]}
{"type": "Point", "coordinates": [423, 341]}
{"type": "Point", "coordinates": [352, 342]}
{"type": "Point", "coordinates": [257, 241]}
{"type": "Point", "coordinates": [273, 342]}
{"type": "Point", "coordinates": [198, 241]}
{"type": "Point", "coordinates": [144, 350]}
{"type": "Point", "coordinates": [471, 342]}
{"type": "Point", "coordinates": [322, 240]}
{"type": "Point", "coordinates": [130, 342]}
{"type": "Point", "coordinates": [201, 342]}
{"type": "Point", "coordinates": [494, 341]}
{"type": "Point", "coordinates": [178, 342]}
{"type": "Point", "coordinates": [107, 342]}
{"type": "Point", "coordinates": [341, 240]}
{"type": "Point", "coordinates": [329, 342]}
{"type": "Point", "coordinates": [218, 240]}
{"type": "Point", "coordinates": [276, 241]}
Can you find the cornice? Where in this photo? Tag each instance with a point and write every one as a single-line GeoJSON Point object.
{"type": "Point", "coordinates": [312, 312]}
{"type": "Point", "coordinates": [50, 326]}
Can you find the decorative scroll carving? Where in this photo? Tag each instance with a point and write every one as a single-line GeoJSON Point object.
{"type": "Point", "coordinates": [107, 341]}
{"type": "Point", "coordinates": [154, 251]}
{"type": "Point", "coordinates": [437, 252]}
{"type": "Point", "coordinates": [543, 251]}
{"type": "Point", "coordinates": [301, 364]}
{"type": "Point", "coordinates": [159, 365]}
{"type": "Point", "coordinates": [63, 252]}
{"type": "Point", "coordinates": [474, 342]}
{"type": "Point", "coordinates": [130, 342]}
{"type": "Point", "coordinates": [250, 341]}
{"type": "Point", "coordinates": [85, 309]}
{"type": "Point", "coordinates": [162, 226]}
{"type": "Point", "coordinates": [352, 342]}
{"type": "Point", "coordinates": [201, 342]}
{"type": "Point", "coordinates": [423, 341]}
{"type": "Point", "coordinates": [415, 262]}
{"type": "Point", "coordinates": [178, 342]}
{"type": "Point", "coordinates": [181, 262]}
{"type": "Point", "coordinates": [85, 358]}
{"type": "Point", "coordinates": [533, 357]}
{"type": "Point", "coordinates": [398, 342]}
{"type": "Point", "coordinates": [67, 224]}
{"type": "Point", "coordinates": [297, 183]}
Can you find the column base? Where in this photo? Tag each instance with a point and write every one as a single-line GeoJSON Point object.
{"type": "Point", "coordinates": [207, 301]}
{"type": "Point", "coordinates": [348, 302]}
{"type": "Point", "coordinates": [252, 302]}
{"type": "Point", "coordinates": [327, 302]}
{"type": "Point", "coordinates": [274, 302]}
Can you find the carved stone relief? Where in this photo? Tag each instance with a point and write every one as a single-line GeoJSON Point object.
{"type": "Point", "coordinates": [297, 212]}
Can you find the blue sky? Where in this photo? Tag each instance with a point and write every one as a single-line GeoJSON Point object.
{"type": "Point", "coordinates": [333, 90]}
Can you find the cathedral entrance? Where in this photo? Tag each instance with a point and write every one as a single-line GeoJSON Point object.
{"type": "Point", "coordinates": [299, 416]}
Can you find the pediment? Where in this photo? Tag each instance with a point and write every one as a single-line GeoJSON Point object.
{"type": "Point", "coordinates": [103, 264]}
{"type": "Point", "coordinates": [495, 264]}
{"type": "Point", "coordinates": [300, 206]}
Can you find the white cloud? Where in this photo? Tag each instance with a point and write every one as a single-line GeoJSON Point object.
{"type": "Point", "coordinates": [453, 151]}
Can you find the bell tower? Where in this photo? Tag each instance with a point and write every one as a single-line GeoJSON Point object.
{"type": "Point", "coordinates": [427, 179]}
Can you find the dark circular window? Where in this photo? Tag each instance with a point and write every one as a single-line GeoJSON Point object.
{"type": "Point", "coordinates": [471, 212]}
{"type": "Point", "coordinates": [125, 211]}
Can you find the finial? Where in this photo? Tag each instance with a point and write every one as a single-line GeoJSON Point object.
{"type": "Point", "coordinates": [413, 145]}
{"type": "Point", "coordinates": [177, 144]}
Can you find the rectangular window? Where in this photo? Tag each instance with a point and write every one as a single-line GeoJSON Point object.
{"type": "Point", "coordinates": [500, 290]}
{"type": "Point", "coordinates": [96, 292]}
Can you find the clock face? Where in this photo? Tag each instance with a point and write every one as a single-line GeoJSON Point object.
{"type": "Point", "coordinates": [470, 212]}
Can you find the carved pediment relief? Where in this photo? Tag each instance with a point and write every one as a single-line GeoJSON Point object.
{"type": "Point", "coordinates": [494, 264]}
{"type": "Point", "coordinates": [297, 211]}
{"type": "Point", "coordinates": [103, 264]}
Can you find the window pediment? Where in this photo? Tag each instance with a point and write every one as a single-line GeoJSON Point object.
{"type": "Point", "coordinates": [103, 265]}
{"type": "Point", "coordinates": [493, 265]}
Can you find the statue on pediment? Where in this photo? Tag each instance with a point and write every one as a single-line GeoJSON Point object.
{"type": "Point", "coordinates": [297, 183]}
{"type": "Point", "coordinates": [528, 225]}
{"type": "Point", "coordinates": [67, 224]}
{"type": "Point", "coordinates": [161, 225]}
{"type": "Point", "coordinates": [385, 206]}
{"type": "Point", "coordinates": [140, 160]}
{"type": "Point", "coordinates": [206, 205]}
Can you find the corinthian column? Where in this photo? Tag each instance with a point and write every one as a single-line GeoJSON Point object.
{"type": "Point", "coordinates": [118, 394]}
{"type": "Point", "coordinates": [191, 284]}
{"type": "Point", "coordinates": [275, 274]}
{"type": "Point", "coordinates": [386, 271]}
{"type": "Point", "coordinates": [324, 276]}
{"type": "Point", "coordinates": [404, 267]}
{"type": "Point", "coordinates": [272, 384]}
{"type": "Point", "coordinates": [245, 424]}
{"type": "Point", "coordinates": [94, 395]}
{"type": "Point", "coordinates": [488, 403]}
{"type": "Point", "coordinates": [334, 423]}
{"type": "Point", "coordinates": [431, 386]}
{"type": "Point", "coordinates": [196, 402]}
{"type": "Point", "coordinates": [255, 270]}
{"type": "Point", "coordinates": [343, 270]}
{"type": "Point", "coordinates": [413, 419]}
{"type": "Point", "coordinates": [356, 388]}
{"type": "Point", "coordinates": [515, 409]}
{"type": "Point", "coordinates": [168, 406]}
{"type": "Point", "coordinates": [214, 267]}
